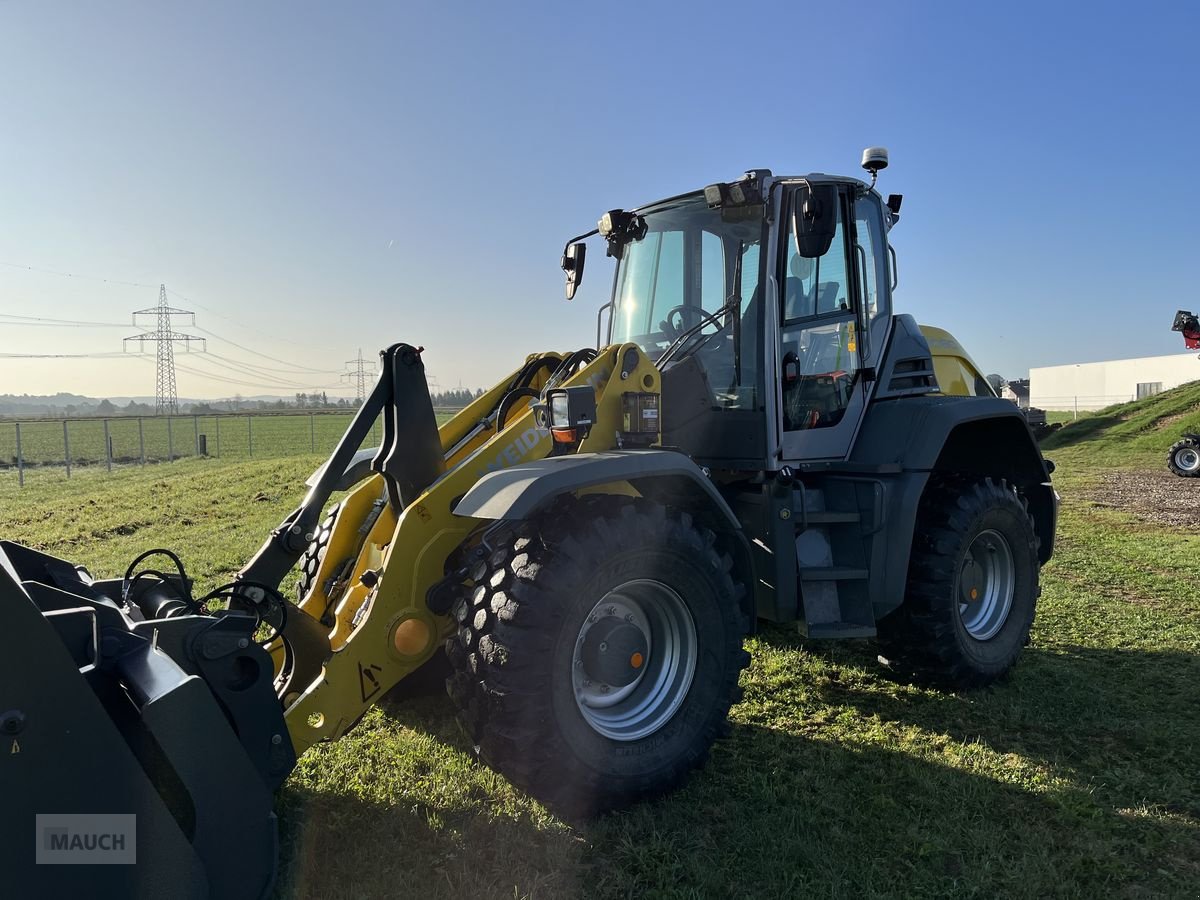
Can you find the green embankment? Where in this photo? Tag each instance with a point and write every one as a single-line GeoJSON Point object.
{"type": "Point", "coordinates": [1129, 435]}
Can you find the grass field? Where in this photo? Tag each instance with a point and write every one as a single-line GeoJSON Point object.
{"type": "Point", "coordinates": [1077, 777]}
{"type": "Point", "coordinates": [173, 437]}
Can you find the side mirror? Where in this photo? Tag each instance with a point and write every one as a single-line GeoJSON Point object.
{"type": "Point", "coordinates": [814, 218]}
{"type": "Point", "coordinates": [572, 264]}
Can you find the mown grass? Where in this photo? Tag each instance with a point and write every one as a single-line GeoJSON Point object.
{"type": "Point", "coordinates": [1076, 777]}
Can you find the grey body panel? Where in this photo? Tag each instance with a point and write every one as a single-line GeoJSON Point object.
{"type": "Point", "coordinates": [520, 491]}
{"type": "Point", "coordinates": [907, 368]}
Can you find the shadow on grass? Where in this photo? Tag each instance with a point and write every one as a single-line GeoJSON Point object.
{"type": "Point", "coordinates": [1125, 721]}
{"type": "Point", "coordinates": [1079, 431]}
{"type": "Point", "coordinates": [902, 792]}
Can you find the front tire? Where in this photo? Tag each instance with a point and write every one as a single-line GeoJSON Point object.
{"type": "Point", "coordinates": [596, 659]}
{"type": "Point", "coordinates": [314, 553]}
{"type": "Point", "coordinates": [973, 586]}
{"type": "Point", "coordinates": [1184, 458]}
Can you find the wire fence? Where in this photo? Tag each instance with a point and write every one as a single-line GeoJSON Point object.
{"type": "Point", "coordinates": [69, 444]}
{"type": "Point", "coordinates": [1079, 403]}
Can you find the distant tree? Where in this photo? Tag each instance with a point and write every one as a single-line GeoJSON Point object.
{"type": "Point", "coordinates": [997, 382]}
{"type": "Point", "coordinates": [106, 408]}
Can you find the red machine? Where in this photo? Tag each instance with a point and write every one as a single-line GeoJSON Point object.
{"type": "Point", "coordinates": [1189, 324]}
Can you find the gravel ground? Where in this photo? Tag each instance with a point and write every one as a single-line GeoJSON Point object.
{"type": "Point", "coordinates": [1159, 497]}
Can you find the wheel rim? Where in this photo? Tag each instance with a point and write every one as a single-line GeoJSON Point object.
{"type": "Point", "coordinates": [634, 659]}
{"type": "Point", "coordinates": [1187, 459]}
{"type": "Point", "coordinates": [986, 585]}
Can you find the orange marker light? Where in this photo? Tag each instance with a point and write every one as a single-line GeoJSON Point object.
{"type": "Point", "coordinates": [636, 660]}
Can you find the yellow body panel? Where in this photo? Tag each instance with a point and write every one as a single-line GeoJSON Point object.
{"type": "Point", "coordinates": [380, 634]}
{"type": "Point", "coordinates": [956, 372]}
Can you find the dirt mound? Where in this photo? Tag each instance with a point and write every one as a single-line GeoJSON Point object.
{"type": "Point", "coordinates": [1158, 497]}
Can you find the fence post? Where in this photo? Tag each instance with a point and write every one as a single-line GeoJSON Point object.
{"type": "Point", "coordinates": [196, 434]}
{"type": "Point", "coordinates": [170, 442]}
{"type": "Point", "coordinates": [141, 442]}
{"type": "Point", "coordinates": [217, 419]}
{"type": "Point", "coordinates": [107, 447]}
{"type": "Point", "coordinates": [20, 460]}
{"type": "Point", "coordinates": [250, 433]}
{"type": "Point", "coordinates": [66, 448]}
{"type": "Point", "coordinates": [312, 431]}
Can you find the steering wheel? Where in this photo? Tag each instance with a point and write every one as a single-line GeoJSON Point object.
{"type": "Point", "coordinates": [672, 330]}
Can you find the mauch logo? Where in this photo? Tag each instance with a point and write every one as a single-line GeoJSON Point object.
{"type": "Point", "coordinates": [105, 839]}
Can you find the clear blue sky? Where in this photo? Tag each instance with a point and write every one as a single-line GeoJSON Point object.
{"type": "Point", "coordinates": [318, 177]}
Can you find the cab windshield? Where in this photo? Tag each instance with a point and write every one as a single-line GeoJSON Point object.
{"type": "Point", "coordinates": [692, 261]}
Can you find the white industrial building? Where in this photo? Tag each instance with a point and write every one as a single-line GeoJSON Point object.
{"type": "Point", "coordinates": [1100, 384]}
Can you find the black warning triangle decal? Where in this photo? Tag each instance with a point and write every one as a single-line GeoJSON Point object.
{"type": "Point", "coordinates": [368, 681]}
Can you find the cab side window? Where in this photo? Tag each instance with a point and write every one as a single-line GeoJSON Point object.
{"type": "Point", "coordinates": [814, 287]}
{"type": "Point", "coordinates": [818, 339]}
{"type": "Point", "coordinates": [868, 228]}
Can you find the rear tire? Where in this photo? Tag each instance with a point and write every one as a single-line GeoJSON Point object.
{"type": "Point", "coordinates": [596, 660]}
{"type": "Point", "coordinates": [972, 589]}
{"type": "Point", "coordinates": [1184, 458]}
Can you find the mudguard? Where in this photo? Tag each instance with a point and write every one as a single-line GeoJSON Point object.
{"type": "Point", "coordinates": [519, 491]}
{"type": "Point", "coordinates": [974, 436]}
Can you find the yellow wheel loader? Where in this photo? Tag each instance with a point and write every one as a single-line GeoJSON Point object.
{"type": "Point", "coordinates": [756, 436]}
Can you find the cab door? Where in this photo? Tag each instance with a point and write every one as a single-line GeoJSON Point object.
{"type": "Point", "coordinates": [834, 320]}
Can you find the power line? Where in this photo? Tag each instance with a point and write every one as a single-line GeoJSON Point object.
{"type": "Point", "coordinates": [242, 325]}
{"type": "Point", "coordinates": [139, 284]}
{"type": "Point", "coordinates": [242, 383]}
{"type": "Point", "coordinates": [42, 320]}
{"type": "Point", "coordinates": [271, 369]}
{"type": "Point", "coordinates": [298, 369]}
{"type": "Point", "coordinates": [166, 397]}
{"type": "Point", "coordinates": [233, 366]}
{"type": "Point", "coordinates": [113, 355]}
{"type": "Point", "coordinates": [75, 275]}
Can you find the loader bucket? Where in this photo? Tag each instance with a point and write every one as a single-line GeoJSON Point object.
{"type": "Point", "coordinates": [124, 770]}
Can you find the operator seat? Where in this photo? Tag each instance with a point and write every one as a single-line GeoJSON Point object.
{"type": "Point", "coordinates": [797, 301]}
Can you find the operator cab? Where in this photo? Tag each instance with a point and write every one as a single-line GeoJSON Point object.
{"type": "Point", "coordinates": [766, 303]}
